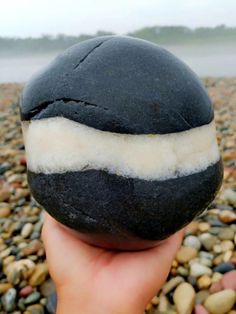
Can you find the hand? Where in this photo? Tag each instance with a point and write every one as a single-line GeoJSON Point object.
{"type": "Point", "coordinates": [99, 281]}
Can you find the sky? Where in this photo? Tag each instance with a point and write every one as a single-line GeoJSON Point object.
{"type": "Point", "coordinates": [23, 18]}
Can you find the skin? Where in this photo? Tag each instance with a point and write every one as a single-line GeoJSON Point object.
{"type": "Point", "coordinates": [99, 281]}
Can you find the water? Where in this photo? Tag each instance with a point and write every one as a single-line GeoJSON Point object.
{"type": "Point", "coordinates": [204, 60]}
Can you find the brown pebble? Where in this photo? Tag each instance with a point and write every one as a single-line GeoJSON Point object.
{"type": "Point", "coordinates": [39, 275]}
{"type": "Point", "coordinates": [204, 282]}
{"type": "Point", "coordinates": [5, 212]}
{"type": "Point", "coordinates": [227, 216]}
{"type": "Point", "coordinates": [4, 194]}
{"type": "Point", "coordinates": [4, 287]}
{"type": "Point", "coordinates": [32, 248]}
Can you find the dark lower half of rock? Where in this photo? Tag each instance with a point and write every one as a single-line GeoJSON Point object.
{"type": "Point", "coordinates": [118, 212]}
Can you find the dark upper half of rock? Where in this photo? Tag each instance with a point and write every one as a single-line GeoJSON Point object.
{"type": "Point", "coordinates": [119, 84]}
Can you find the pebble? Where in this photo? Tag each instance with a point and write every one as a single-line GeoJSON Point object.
{"type": "Point", "coordinates": [185, 254]}
{"type": "Point", "coordinates": [227, 245]}
{"type": "Point", "coordinates": [52, 303]}
{"type": "Point", "coordinates": [27, 230]}
{"type": "Point", "coordinates": [220, 302]}
{"type": "Point", "coordinates": [184, 298]}
{"type": "Point", "coordinates": [200, 309]}
{"type": "Point", "coordinates": [197, 270]}
{"type": "Point", "coordinates": [9, 300]}
{"type": "Point", "coordinates": [216, 277]}
{"type": "Point", "coordinates": [203, 226]}
{"type": "Point", "coordinates": [32, 248]}
{"type": "Point", "coordinates": [216, 287]}
{"type": "Point", "coordinates": [182, 271]}
{"type": "Point", "coordinates": [35, 309]}
{"type": "Point", "coordinates": [5, 212]}
{"type": "Point", "coordinates": [207, 240]}
{"type": "Point", "coordinates": [4, 287]}
{"type": "Point", "coordinates": [33, 297]}
{"type": "Point", "coordinates": [47, 288]}
{"type": "Point", "coordinates": [201, 296]}
{"type": "Point", "coordinates": [4, 195]}
{"type": "Point", "coordinates": [24, 292]}
{"type": "Point", "coordinates": [229, 280]}
{"type": "Point", "coordinates": [224, 268]}
{"type": "Point", "coordinates": [204, 282]}
{"type": "Point", "coordinates": [39, 275]}
{"type": "Point", "coordinates": [227, 216]}
{"type": "Point", "coordinates": [193, 242]}
{"type": "Point", "coordinates": [230, 196]}
{"type": "Point", "coordinates": [171, 284]}
{"type": "Point", "coordinates": [226, 234]}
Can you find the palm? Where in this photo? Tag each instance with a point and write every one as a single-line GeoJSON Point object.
{"type": "Point", "coordinates": [121, 277]}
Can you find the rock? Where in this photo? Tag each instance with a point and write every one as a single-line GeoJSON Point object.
{"type": "Point", "coordinates": [227, 245]}
{"type": "Point", "coordinates": [230, 196]}
{"type": "Point", "coordinates": [18, 270]}
{"type": "Point", "coordinates": [226, 234]}
{"type": "Point", "coordinates": [33, 297]}
{"type": "Point", "coordinates": [52, 303]}
{"type": "Point", "coordinates": [204, 282]}
{"type": "Point", "coordinates": [182, 271]}
{"type": "Point", "coordinates": [193, 242]}
{"type": "Point", "coordinates": [4, 194]}
{"type": "Point", "coordinates": [207, 240]}
{"type": "Point", "coordinates": [39, 275]}
{"type": "Point", "coordinates": [208, 255]}
{"type": "Point", "coordinates": [197, 270]}
{"type": "Point", "coordinates": [229, 280]}
{"type": "Point", "coordinates": [32, 248]}
{"type": "Point", "coordinates": [200, 309]}
{"type": "Point", "coordinates": [203, 226]}
{"type": "Point", "coordinates": [227, 216]}
{"type": "Point", "coordinates": [171, 284]}
{"type": "Point", "coordinates": [4, 287]}
{"type": "Point", "coordinates": [35, 309]}
{"type": "Point", "coordinates": [216, 287]}
{"type": "Point", "coordinates": [184, 298]}
{"type": "Point", "coordinates": [47, 288]}
{"type": "Point", "coordinates": [205, 261]}
{"type": "Point", "coordinates": [24, 292]}
{"type": "Point", "coordinates": [224, 268]}
{"type": "Point", "coordinates": [9, 300]}
{"type": "Point", "coordinates": [216, 277]}
{"type": "Point", "coordinates": [155, 300]}
{"type": "Point", "coordinates": [201, 296]}
{"type": "Point", "coordinates": [185, 254]}
{"type": "Point", "coordinates": [27, 229]}
{"type": "Point", "coordinates": [5, 212]}
{"type": "Point", "coordinates": [220, 302]}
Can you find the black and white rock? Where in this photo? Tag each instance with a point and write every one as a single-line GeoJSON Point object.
{"type": "Point", "coordinates": [120, 142]}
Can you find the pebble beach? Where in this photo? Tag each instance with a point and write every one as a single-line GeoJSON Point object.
{"type": "Point", "coordinates": [202, 279]}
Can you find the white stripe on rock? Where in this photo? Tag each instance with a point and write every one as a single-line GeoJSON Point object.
{"type": "Point", "coordinates": [57, 145]}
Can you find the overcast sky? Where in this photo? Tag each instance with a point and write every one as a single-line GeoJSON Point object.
{"type": "Point", "coordinates": [22, 18]}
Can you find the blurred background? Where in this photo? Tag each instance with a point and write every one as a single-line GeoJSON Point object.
{"type": "Point", "coordinates": [200, 32]}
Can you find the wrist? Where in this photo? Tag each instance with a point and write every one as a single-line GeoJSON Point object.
{"type": "Point", "coordinates": [74, 303]}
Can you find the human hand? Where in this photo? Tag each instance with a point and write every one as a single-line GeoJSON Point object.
{"type": "Point", "coordinates": [99, 281]}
